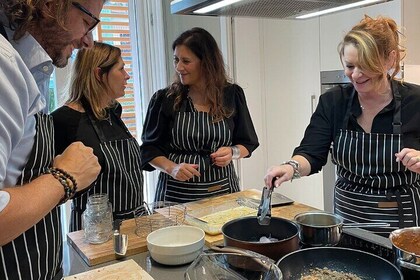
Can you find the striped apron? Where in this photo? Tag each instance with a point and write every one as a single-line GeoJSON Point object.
{"type": "Point", "coordinates": [194, 136]}
{"type": "Point", "coordinates": [37, 253]}
{"type": "Point", "coordinates": [371, 185]}
{"type": "Point", "coordinates": [121, 177]}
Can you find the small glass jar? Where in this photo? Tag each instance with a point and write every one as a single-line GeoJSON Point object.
{"type": "Point", "coordinates": [97, 219]}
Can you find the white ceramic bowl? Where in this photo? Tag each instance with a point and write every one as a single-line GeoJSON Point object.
{"type": "Point", "coordinates": [175, 245]}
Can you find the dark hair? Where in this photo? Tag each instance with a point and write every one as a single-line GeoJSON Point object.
{"type": "Point", "coordinates": [204, 46]}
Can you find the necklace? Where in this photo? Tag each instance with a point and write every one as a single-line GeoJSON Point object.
{"type": "Point", "coordinates": [377, 105]}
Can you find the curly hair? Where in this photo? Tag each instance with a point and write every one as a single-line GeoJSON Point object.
{"type": "Point", "coordinates": [84, 83]}
{"type": "Point", "coordinates": [374, 40]}
{"type": "Point", "coordinates": [24, 14]}
{"type": "Point", "coordinates": [204, 46]}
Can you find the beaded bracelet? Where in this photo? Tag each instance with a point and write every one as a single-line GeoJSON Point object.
{"type": "Point", "coordinates": [65, 179]}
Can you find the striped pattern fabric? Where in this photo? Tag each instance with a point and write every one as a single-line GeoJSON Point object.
{"type": "Point", "coordinates": [194, 137]}
{"type": "Point", "coordinates": [369, 179]}
{"type": "Point", "coordinates": [121, 178]}
{"type": "Point", "coordinates": [37, 253]}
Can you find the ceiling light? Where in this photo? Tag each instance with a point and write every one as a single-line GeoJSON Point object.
{"type": "Point", "coordinates": [340, 8]}
{"type": "Point", "coordinates": [215, 6]}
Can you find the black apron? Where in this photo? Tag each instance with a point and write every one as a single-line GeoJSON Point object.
{"type": "Point", "coordinates": [371, 185]}
{"type": "Point", "coordinates": [121, 176]}
{"type": "Point", "coordinates": [37, 253]}
{"type": "Point", "coordinates": [194, 136]}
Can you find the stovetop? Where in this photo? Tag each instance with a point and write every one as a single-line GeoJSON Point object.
{"type": "Point", "coordinates": [366, 241]}
{"type": "Point", "coordinates": [363, 240]}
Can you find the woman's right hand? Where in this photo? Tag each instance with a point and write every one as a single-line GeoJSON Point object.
{"type": "Point", "coordinates": [184, 171]}
{"type": "Point", "coordinates": [79, 161]}
{"type": "Point", "coordinates": [280, 174]}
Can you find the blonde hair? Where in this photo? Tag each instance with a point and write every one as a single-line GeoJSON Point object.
{"type": "Point", "coordinates": [374, 40]}
{"type": "Point", "coordinates": [84, 82]}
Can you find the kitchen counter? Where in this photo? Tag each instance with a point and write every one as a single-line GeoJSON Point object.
{"type": "Point", "coordinates": [74, 264]}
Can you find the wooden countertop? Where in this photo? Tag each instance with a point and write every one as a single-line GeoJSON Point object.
{"type": "Point", "coordinates": [100, 253]}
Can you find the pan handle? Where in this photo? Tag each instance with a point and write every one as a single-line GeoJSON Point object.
{"type": "Point", "coordinates": [365, 225]}
{"type": "Point", "coordinates": [264, 261]}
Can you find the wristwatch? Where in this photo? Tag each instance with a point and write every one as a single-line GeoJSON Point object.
{"type": "Point", "coordinates": [295, 165]}
{"type": "Point", "coordinates": [236, 153]}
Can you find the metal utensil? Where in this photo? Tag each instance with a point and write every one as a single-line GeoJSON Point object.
{"type": "Point", "coordinates": [264, 210]}
{"type": "Point", "coordinates": [120, 240]}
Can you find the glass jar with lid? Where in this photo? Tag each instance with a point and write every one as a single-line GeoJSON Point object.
{"type": "Point", "coordinates": [97, 219]}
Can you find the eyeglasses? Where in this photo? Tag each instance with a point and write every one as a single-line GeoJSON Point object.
{"type": "Point", "coordinates": [84, 10]}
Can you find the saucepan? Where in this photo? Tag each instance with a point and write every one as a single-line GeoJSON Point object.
{"type": "Point", "coordinates": [275, 240]}
{"type": "Point", "coordinates": [406, 246]}
{"type": "Point", "coordinates": [324, 229]}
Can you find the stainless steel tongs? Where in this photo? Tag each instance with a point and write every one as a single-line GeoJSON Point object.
{"type": "Point", "coordinates": [264, 210]}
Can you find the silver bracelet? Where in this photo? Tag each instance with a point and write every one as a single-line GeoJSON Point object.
{"type": "Point", "coordinates": [236, 152]}
{"type": "Point", "coordinates": [295, 165]}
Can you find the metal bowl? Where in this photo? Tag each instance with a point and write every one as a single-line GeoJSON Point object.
{"type": "Point", "coordinates": [406, 246]}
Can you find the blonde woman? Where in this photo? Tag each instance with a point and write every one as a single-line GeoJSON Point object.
{"type": "Point", "coordinates": [93, 116]}
{"type": "Point", "coordinates": [373, 125]}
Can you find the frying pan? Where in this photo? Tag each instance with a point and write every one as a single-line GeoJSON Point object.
{"type": "Point", "coordinates": [364, 265]}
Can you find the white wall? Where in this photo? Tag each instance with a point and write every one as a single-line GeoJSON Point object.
{"type": "Point", "coordinates": [275, 65]}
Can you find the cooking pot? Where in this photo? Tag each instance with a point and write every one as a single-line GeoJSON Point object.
{"type": "Point", "coordinates": [246, 232]}
{"type": "Point", "coordinates": [406, 246]}
{"type": "Point", "coordinates": [324, 229]}
{"type": "Point", "coordinates": [364, 265]}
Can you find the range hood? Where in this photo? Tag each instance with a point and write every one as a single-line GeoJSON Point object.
{"type": "Point", "coordinates": [282, 9]}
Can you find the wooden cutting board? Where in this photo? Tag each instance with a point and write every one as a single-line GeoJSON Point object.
{"type": "Point", "coordinates": [286, 211]}
{"type": "Point", "coordinates": [100, 253]}
{"type": "Point", "coordinates": [94, 254]}
{"type": "Point", "coordinates": [127, 270]}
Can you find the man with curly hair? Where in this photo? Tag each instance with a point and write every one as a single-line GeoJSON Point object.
{"type": "Point", "coordinates": [35, 36]}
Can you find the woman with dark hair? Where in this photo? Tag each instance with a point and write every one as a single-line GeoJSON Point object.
{"type": "Point", "coordinates": [198, 125]}
{"type": "Point", "coordinates": [92, 115]}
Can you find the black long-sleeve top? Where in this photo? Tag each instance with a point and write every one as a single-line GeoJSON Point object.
{"type": "Point", "coordinates": [160, 115]}
{"type": "Point", "coordinates": [329, 115]}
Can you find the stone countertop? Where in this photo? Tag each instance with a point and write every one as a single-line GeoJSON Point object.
{"type": "Point", "coordinates": [74, 264]}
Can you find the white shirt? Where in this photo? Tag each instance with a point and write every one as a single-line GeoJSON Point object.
{"type": "Point", "coordinates": [20, 100]}
{"type": "Point", "coordinates": [38, 62]}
